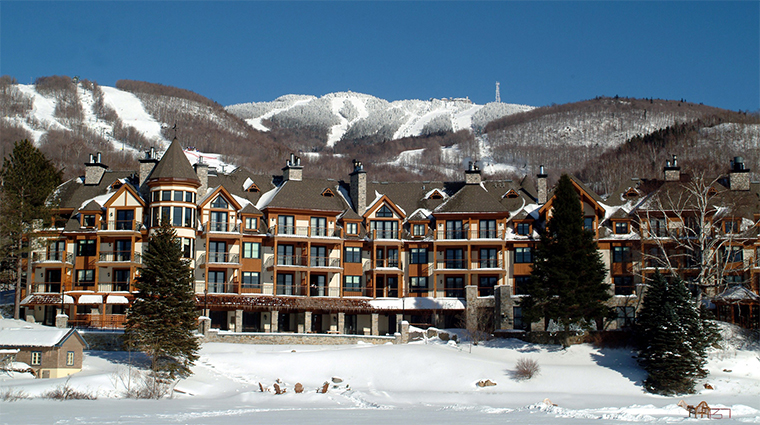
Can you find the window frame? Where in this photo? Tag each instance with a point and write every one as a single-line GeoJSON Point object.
{"type": "Point", "coordinates": [355, 284]}
{"type": "Point", "coordinates": [36, 358]}
{"type": "Point", "coordinates": [352, 254]}
{"type": "Point", "coordinates": [523, 255]}
{"type": "Point", "coordinates": [250, 285]}
{"type": "Point", "coordinates": [621, 254]}
{"type": "Point", "coordinates": [70, 358]}
{"type": "Point", "coordinates": [250, 252]}
{"type": "Point", "coordinates": [522, 228]}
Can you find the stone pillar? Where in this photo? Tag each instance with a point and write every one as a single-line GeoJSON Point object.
{"type": "Point", "coordinates": [399, 319]}
{"type": "Point", "coordinates": [275, 327]}
{"type": "Point", "coordinates": [404, 332]}
{"type": "Point", "coordinates": [341, 323]}
{"type": "Point", "coordinates": [61, 320]}
{"type": "Point", "coordinates": [375, 324]}
{"type": "Point", "coordinates": [238, 321]}
{"type": "Point", "coordinates": [300, 323]}
{"type": "Point", "coordinates": [204, 325]}
{"type": "Point", "coordinates": [471, 310]}
{"type": "Point", "coordinates": [503, 307]}
{"type": "Point", "coordinates": [307, 322]}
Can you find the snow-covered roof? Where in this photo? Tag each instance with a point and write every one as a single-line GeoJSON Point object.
{"type": "Point", "coordinates": [18, 333]}
{"type": "Point", "coordinates": [117, 299]}
{"type": "Point", "coordinates": [419, 303]}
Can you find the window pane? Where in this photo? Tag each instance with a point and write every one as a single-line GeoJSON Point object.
{"type": "Point", "coordinates": [178, 195]}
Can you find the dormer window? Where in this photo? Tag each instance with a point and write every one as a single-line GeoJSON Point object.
{"type": "Point", "coordinates": [511, 194]}
{"type": "Point", "coordinates": [621, 228]}
{"type": "Point", "coordinates": [117, 184]}
{"type": "Point", "coordinates": [352, 228]}
{"type": "Point", "coordinates": [631, 193]}
{"type": "Point", "coordinates": [88, 220]}
{"type": "Point", "coordinates": [435, 195]}
{"type": "Point", "coordinates": [522, 229]}
{"type": "Point", "coordinates": [328, 193]}
{"type": "Point", "coordinates": [384, 211]}
{"type": "Point", "coordinates": [730, 226]}
{"type": "Point", "coordinates": [712, 191]}
{"type": "Point", "coordinates": [253, 188]}
{"type": "Point", "coordinates": [251, 223]}
{"type": "Point", "coordinates": [220, 202]}
{"type": "Point", "coordinates": [418, 229]}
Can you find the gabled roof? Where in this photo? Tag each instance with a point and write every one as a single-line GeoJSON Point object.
{"type": "Point", "coordinates": [174, 165]}
{"type": "Point", "coordinates": [586, 194]}
{"type": "Point", "coordinates": [251, 209]}
{"type": "Point", "coordinates": [472, 198]}
{"type": "Point", "coordinates": [306, 194]}
{"type": "Point", "coordinates": [17, 333]}
{"type": "Point", "coordinates": [91, 206]}
{"type": "Point", "coordinates": [736, 293]}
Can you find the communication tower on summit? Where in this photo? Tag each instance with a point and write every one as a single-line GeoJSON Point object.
{"type": "Point", "coordinates": [498, 96]}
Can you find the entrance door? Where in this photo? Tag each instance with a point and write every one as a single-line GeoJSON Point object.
{"type": "Point", "coordinates": [392, 283]}
{"type": "Point", "coordinates": [455, 287]}
{"type": "Point", "coordinates": [53, 280]}
{"type": "Point", "coordinates": [124, 219]}
{"type": "Point", "coordinates": [123, 250]}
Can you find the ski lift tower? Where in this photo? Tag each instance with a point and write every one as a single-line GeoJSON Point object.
{"type": "Point", "coordinates": [498, 96]}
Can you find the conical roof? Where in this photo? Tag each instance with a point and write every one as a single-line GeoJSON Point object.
{"type": "Point", "coordinates": [174, 166]}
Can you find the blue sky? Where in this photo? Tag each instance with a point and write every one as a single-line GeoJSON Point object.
{"type": "Point", "coordinates": [541, 52]}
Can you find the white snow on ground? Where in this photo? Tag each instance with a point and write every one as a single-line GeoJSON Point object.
{"type": "Point", "coordinates": [132, 113]}
{"type": "Point", "coordinates": [257, 122]}
{"type": "Point", "coordinates": [463, 120]}
{"type": "Point", "coordinates": [422, 382]}
{"type": "Point", "coordinates": [337, 131]}
{"type": "Point", "coordinates": [43, 109]}
{"type": "Point", "coordinates": [104, 128]}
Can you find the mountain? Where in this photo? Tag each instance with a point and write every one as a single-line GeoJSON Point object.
{"type": "Point", "coordinates": [349, 115]}
{"type": "Point", "coordinates": [603, 140]}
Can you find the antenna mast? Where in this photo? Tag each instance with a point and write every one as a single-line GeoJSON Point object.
{"type": "Point", "coordinates": [498, 96]}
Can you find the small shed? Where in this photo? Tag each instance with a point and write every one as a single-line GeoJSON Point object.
{"type": "Point", "coordinates": [740, 306]}
{"type": "Point", "coordinates": [51, 352]}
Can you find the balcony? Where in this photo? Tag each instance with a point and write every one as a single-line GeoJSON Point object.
{"type": "Point", "coordinates": [220, 227]}
{"type": "Point", "coordinates": [453, 292]}
{"type": "Point", "coordinates": [219, 258]}
{"type": "Point", "coordinates": [120, 225]}
{"type": "Point", "coordinates": [388, 263]}
{"type": "Point", "coordinates": [290, 289]}
{"type": "Point", "coordinates": [222, 288]}
{"type": "Point", "coordinates": [356, 291]}
{"type": "Point", "coordinates": [324, 291]}
{"type": "Point", "coordinates": [384, 234]}
{"type": "Point", "coordinates": [101, 321]}
{"type": "Point", "coordinates": [52, 257]}
{"type": "Point", "coordinates": [113, 287]}
{"type": "Point", "coordinates": [292, 260]}
{"type": "Point", "coordinates": [469, 234]}
{"type": "Point", "coordinates": [48, 288]}
{"type": "Point", "coordinates": [324, 262]}
{"type": "Point", "coordinates": [453, 263]}
{"type": "Point", "coordinates": [120, 257]}
{"type": "Point", "coordinates": [488, 263]}
{"type": "Point", "coordinates": [306, 231]}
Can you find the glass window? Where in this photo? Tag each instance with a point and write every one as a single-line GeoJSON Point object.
{"type": "Point", "coordinates": [731, 226]}
{"type": "Point", "coordinates": [486, 285]}
{"type": "Point", "coordinates": [251, 250]}
{"type": "Point", "coordinates": [352, 283]}
{"type": "Point", "coordinates": [353, 254]}
{"type": "Point", "coordinates": [454, 229]}
{"type": "Point", "coordinates": [154, 217]}
{"type": "Point", "coordinates": [166, 214]}
{"type": "Point", "coordinates": [588, 223]}
{"type": "Point", "coordinates": [518, 321]}
{"type": "Point", "coordinates": [188, 217]}
{"type": "Point", "coordinates": [85, 247]}
{"type": "Point", "coordinates": [352, 228]}
{"type": "Point", "coordinates": [36, 358]}
{"type": "Point", "coordinates": [189, 197]}
{"type": "Point", "coordinates": [86, 276]}
{"type": "Point", "coordinates": [624, 285]}
{"type": "Point", "coordinates": [166, 195]}
{"type": "Point", "coordinates": [523, 229]}
{"type": "Point", "coordinates": [487, 229]}
{"type": "Point", "coordinates": [220, 202]}
{"type": "Point", "coordinates": [177, 219]}
{"type": "Point", "coordinates": [187, 247]}
{"type": "Point", "coordinates": [621, 228]}
{"type": "Point", "coordinates": [88, 220]}
{"type": "Point", "coordinates": [625, 316]}
{"type": "Point", "coordinates": [178, 195]}
{"type": "Point", "coordinates": [285, 255]}
{"type": "Point", "coordinates": [69, 358]}
{"type": "Point", "coordinates": [251, 223]}
{"type": "Point", "coordinates": [384, 229]}
{"type": "Point", "coordinates": [523, 255]}
{"type": "Point", "coordinates": [733, 254]}
{"type": "Point", "coordinates": [418, 230]}
{"type": "Point", "coordinates": [384, 211]}
{"type": "Point", "coordinates": [286, 225]}
{"type": "Point", "coordinates": [418, 256]}
{"type": "Point", "coordinates": [621, 254]}
{"type": "Point", "coordinates": [455, 258]}
{"type": "Point", "coordinates": [318, 226]}
{"type": "Point", "coordinates": [156, 196]}
{"type": "Point", "coordinates": [521, 285]}
{"type": "Point", "coordinates": [251, 280]}
{"type": "Point", "coordinates": [418, 284]}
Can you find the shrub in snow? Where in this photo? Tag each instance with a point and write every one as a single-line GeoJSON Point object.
{"type": "Point", "coordinates": [526, 368]}
{"type": "Point", "coordinates": [66, 392]}
{"type": "Point", "coordinates": [13, 394]}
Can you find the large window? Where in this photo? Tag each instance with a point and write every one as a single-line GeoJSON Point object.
{"type": "Point", "coordinates": [251, 280]}
{"type": "Point", "coordinates": [352, 283]}
{"type": "Point", "coordinates": [385, 229]}
{"type": "Point", "coordinates": [353, 254]}
{"type": "Point", "coordinates": [384, 211]}
{"type": "Point", "coordinates": [285, 284]}
{"type": "Point", "coordinates": [621, 254]}
{"type": "Point", "coordinates": [418, 284]}
{"type": "Point", "coordinates": [85, 277]}
{"type": "Point", "coordinates": [521, 285]}
{"type": "Point", "coordinates": [318, 256]}
{"type": "Point", "coordinates": [624, 285]}
{"type": "Point", "coordinates": [220, 202]}
{"type": "Point", "coordinates": [285, 255]}
{"type": "Point", "coordinates": [621, 228]}
{"type": "Point", "coordinates": [219, 221]}
{"type": "Point", "coordinates": [489, 258]}
{"type": "Point", "coordinates": [286, 225]}
{"type": "Point", "coordinates": [189, 217]}
{"type": "Point", "coordinates": [733, 254]}
{"type": "Point", "coordinates": [88, 220]}
{"type": "Point", "coordinates": [251, 250]}
{"type": "Point", "coordinates": [85, 247]}
{"type": "Point", "coordinates": [523, 229]}
{"type": "Point", "coordinates": [251, 223]}
{"type": "Point", "coordinates": [455, 258]}
{"type": "Point", "coordinates": [418, 256]}
{"type": "Point", "coordinates": [487, 229]}
{"type": "Point", "coordinates": [318, 226]}
{"type": "Point", "coordinates": [217, 252]}
{"type": "Point", "coordinates": [625, 316]}
{"type": "Point", "coordinates": [486, 285]}
{"type": "Point", "coordinates": [454, 229]}
{"type": "Point", "coordinates": [588, 223]}
{"type": "Point", "coordinates": [523, 255]}
{"type": "Point", "coordinates": [177, 217]}
{"type": "Point", "coordinates": [216, 281]}
{"type": "Point", "coordinates": [178, 195]}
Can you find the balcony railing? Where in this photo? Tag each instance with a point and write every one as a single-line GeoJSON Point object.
{"type": "Point", "coordinates": [221, 227]}
{"type": "Point", "coordinates": [469, 234]}
{"type": "Point", "coordinates": [384, 234]}
{"type": "Point", "coordinates": [102, 321]}
{"type": "Point", "coordinates": [324, 291]}
{"type": "Point", "coordinates": [223, 288]}
{"type": "Point", "coordinates": [453, 292]}
{"type": "Point", "coordinates": [356, 291]}
{"type": "Point", "coordinates": [453, 263]}
{"type": "Point", "coordinates": [488, 263]}
{"type": "Point", "coordinates": [291, 260]}
{"type": "Point", "coordinates": [306, 231]}
{"type": "Point", "coordinates": [324, 262]}
{"type": "Point", "coordinates": [52, 257]}
{"type": "Point", "coordinates": [120, 225]}
{"type": "Point", "coordinates": [291, 289]}
{"type": "Point", "coordinates": [120, 257]}
{"type": "Point", "coordinates": [48, 287]}
{"type": "Point", "coordinates": [113, 287]}
{"type": "Point", "coordinates": [389, 263]}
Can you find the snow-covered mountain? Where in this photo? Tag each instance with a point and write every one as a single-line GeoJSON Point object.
{"type": "Point", "coordinates": [349, 115]}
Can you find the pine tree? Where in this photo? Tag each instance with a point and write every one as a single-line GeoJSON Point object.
{"type": "Point", "coordinates": [567, 282]}
{"type": "Point", "coordinates": [163, 317]}
{"type": "Point", "coordinates": [673, 338]}
{"type": "Point", "coordinates": [27, 180]}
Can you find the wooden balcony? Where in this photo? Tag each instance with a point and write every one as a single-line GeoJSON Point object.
{"type": "Point", "coordinates": [120, 257]}
{"type": "Point", "coordinates": [121, 225]}
{"type": "Point", "coordinates": [53, 257]}
{"type": "Point", "coordinates": [100, 321]}
{"type": "Point", "coordinates": [306, 232]}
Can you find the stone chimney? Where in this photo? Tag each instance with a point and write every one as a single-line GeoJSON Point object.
{"type": "Point", "coordinates": [542, 185]}
{"type": "Point", "coordinates": [359, 187]}
{"type": "Point", "coordinates": [472, 174]}
{"type": "Point", "coordinates": [146, 165]}
{"type": "Point", "coordinates": [94, 170]}
{"type": "Point", "coordinates": [293, 169]}
{"type": "Point", "coordinates": [672, 170]}
{"type": "Point", "coordinates": [738, 177]}
{"type": "Point", "coordinates": [201, 170]}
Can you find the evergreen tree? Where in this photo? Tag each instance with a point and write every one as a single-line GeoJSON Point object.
{"type": "Point", "coordinates": [27, 180]}
{"type": "Point", "coordinates": [673, 338]}
{"type": "Point", "coordinates": [163, 317]}
{"type": "Point", "coordinates": [567, 282]}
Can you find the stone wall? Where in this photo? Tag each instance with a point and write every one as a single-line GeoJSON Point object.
{"type": "Point", "coordinates": [297, 339]}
